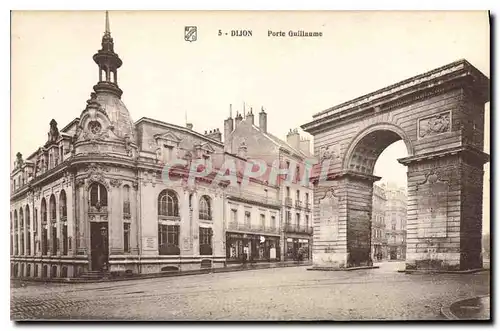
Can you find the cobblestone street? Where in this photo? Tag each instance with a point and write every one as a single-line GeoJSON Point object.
{"type": "Point", "coordinates": [272, 294]}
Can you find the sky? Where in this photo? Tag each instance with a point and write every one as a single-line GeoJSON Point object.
{"type": "Point", "coordinates": [165, 77]}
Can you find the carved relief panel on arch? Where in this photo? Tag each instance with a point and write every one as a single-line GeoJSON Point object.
{"type": "Point", "coordinates": [329, 155]}
{"type": "Point", "coordinates": [434, 125]}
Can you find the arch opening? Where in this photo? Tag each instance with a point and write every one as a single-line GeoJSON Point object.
{"type": "Point", "coordinates": [375, 152]}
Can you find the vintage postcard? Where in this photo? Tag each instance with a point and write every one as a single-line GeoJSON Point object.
{"type": "Point", "coordinates": [250, 165]}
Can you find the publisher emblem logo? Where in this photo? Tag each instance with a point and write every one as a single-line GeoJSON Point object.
{"type": "Point", "coordinates": [190, 33]}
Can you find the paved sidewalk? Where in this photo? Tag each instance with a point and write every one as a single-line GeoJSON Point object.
{"type": "Point", "coordinates": [249, 266]}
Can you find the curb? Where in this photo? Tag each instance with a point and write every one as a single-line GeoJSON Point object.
{"type": "Point", "coordinates": [446, 310]}
{"type": "Point", "coordinates": [157, 275]}
{"type": "Point", "coordinates": [431, 271]}
{"type": "Point", "coordinates": [341, 269]}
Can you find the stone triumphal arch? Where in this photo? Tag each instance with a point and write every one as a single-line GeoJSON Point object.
{"type": "Point", "coordinates": [440, 117]}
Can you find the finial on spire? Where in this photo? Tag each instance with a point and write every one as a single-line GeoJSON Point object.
{"type": "Point", "coordinates": [107, 31]}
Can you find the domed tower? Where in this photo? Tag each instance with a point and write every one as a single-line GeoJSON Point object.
{"type": "Point", "coordinates": [107, 91]}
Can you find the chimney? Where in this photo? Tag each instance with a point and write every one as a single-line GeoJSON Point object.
{"type": "Point", "coordinates": [189, 126]}
{"type": "Point", "coordinates": [263, 120]}
{"type": "Point", "coordinates": [293, 138]}
{"type": "Point", "coordinates": [237, 119]}
{"type": "Point", "coordinates": [305, 146]}
{"type": "Point", "coordinates": [214, 134]}
{"type": "Point", "coordinates": [228, 124]}
{"type": "Point", "coordinates": [250, 116]}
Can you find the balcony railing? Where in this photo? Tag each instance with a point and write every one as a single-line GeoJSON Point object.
{"type": "Point", "coordinates": [252, 197]}
{"type": "Point", "coordinates": [298, 228]}
{"type": "Point", "coordinates": [288, 201]}
{"type": "Point", "coordinates": [252, 228]}
{"type": "Point", "coordinates": [126, 208]}
{"type": "Point", "coordinates": [98, 209]}
{"type": "Point", "coordinates": [298, 204]}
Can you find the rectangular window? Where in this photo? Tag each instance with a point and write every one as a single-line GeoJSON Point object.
{"type": "Point", "coordinates": [297, 174]}
{"type": "Point", "coordinates": [307, 197]}
{"type": "Point", "coordinates": [45, 244]}
{"type": "Point", "coordinates": [168, 239]}
{"type": "Point", "coordinates": [234, 216]}
{"type": "Point", "coordinates": [205, 241]}
{"type": "Point", "coordinates": [307, 220]}
{"type": "Point", "coordinates": [288, 217]}
{"type": "Point", "coordinates": [22, 242]}
{"type": "Point", "coordinates": [297, 217]}
{"type": "Point", "coordinates": [263, 221]}
{"type": "Point", "coordinates": [54, 240]}
{"type": "Point", "coordinates": [287, 192]}
{"type": "Point", "coordinates": [247, 218]}
{"type": "Point", "coordinates": [297, 196]}
{"type": "Point", "coordinates": [65, 239]}
{"type": "Point", "coordinates": [273, 222]}
{"type": "Point", "coordinates": [126, 237]}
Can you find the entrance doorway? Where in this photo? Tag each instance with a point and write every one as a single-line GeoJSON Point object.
{"type": "Point", "coordinates": [99, 245]}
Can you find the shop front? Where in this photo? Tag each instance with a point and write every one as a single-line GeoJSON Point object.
{"type": "Point", "coordinates": [244, 247]}
{"type": "Point", "coordinates": [296, 247]}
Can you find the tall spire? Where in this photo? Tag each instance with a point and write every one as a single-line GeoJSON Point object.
{"type": "Point", "coordinates": [107, 31]}
{"type": "Point", "coordinates": [108, 62]}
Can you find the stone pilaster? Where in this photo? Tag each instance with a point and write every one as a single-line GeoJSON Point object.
{"type": "Point", "coordinates": [185, 240]}
{"type": "Point", "coordinates": [342, 221]}
{"type": "Point", "coordinates": [135, 199]}
{"type": "Point", "coordinates": [115, 219]}
{"type": "Point", "coordinates": [70, 214]}
{"type": "Point", "coordinates": [445, 212]}
{"type": "Point", "coordinates": [195, 230]}
{"type": "Point", "coordinates": [82, 234]}
{"type": "Point", "coordinates": [218, 226]}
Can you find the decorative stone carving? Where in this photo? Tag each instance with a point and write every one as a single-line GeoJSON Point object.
{"type": "Point", "coordinates": [329, 152]}
{"type": "Point", "coordinates": [93, 168]}
{"type": "Point", "coordinates": [53, 134]}
{"type": "Point", "coordinates": [135, 185]}
{"type": "Point", "coordinates": [115, 182]}
{"type": "Point", "coordinates": [188, 186]}
{"type": "Point", "coordinates": [432, 208]}
{"type": "Point", "coordinates": [434, 125]}
{"type": "Point", "coordinates": [80, 182]}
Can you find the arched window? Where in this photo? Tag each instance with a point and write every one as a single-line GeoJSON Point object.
{"type": "Point", "coordinates": [53, 221]}
{"type": "Point", "coordinates": [44, 239]}
{"type": "Point", "coordinates": [52, 208]}
{"type": "Point", "coordinates": [63, 209]}
{"type": "Point", "coordinates": [126, 200]}
{"type": "Point", "coordinates": [168, 204]}
{"type": "Point", "coordinates": [43, 210]}
{"type": "Point", "coordinates": [28, 231]}
{"type": "Point", "coordinates": [98, 195]}
{"type": "Point", "coordinates": [16, 229]}
{"type": "Point", "coordinates": [205, 208]}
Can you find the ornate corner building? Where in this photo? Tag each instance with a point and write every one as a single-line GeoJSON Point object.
{"type": "Point", "coordinates": [95, 198]}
